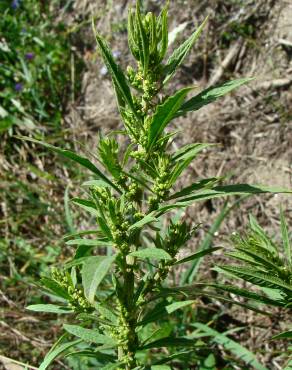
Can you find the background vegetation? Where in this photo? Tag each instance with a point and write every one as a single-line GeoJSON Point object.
{"type": "Point", "coordinates": [55, 87]}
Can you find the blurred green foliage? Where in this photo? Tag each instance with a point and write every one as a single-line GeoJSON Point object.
{"type": "Point", "coordinates": [35, 67]}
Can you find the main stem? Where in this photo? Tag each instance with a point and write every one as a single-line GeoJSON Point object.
{"type": "Point", "coordinates": [128, 319]}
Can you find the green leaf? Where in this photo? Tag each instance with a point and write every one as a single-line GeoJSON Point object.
{"type": "Point", "coordinates": [248, 294]}
{"type": "Point", "coordinates": [87, 205]}
{"type": "Point", "coordinates": [235, 348]}
{"type": "Point", "coordinates": [284, 335]}
{"type": "Point", "coordinates": [199, 254]}
{"type": "Point", "coordinates": [93, 271]}
{"type": "Point", "coordinates": [169, 342]}
{"type": "Point", "coordinates": [152, 253]}
{"type": "Point", "coordinates": [74, 157]}
{"type": "Point", "coordinates": [221, 191]}
{"type": "Point", "coordinates": [211, 94]}
{"type": "Point", "coordinates": [119, 79]}
{"type": "Point", "coordinates": [162, 310]}
{"type": "Point", "coordinates": [144, 221]}
{"type": "Point", "coordinates": [89, 335]}
{"type": "Point", "coordinates": [143, 39]}
{"type": "Point", "coordinates": [285, 237]}
{"type": "Point", "coordinates": [54, 287]}
{"type": "Point", "coordinates": [90, 242]}
{"type": "Point", "coordinates": [185, 158]}
{"type": "Point", "coordinates": [164, 114]}
{"type": "Point", "coordinates": [203, 184]}
{"type": "Point", "coordinates": [180, 53]}
{"type": "Point", "coordinates": [49, 308]}
{"type": "Point", "coordinates": [255, 277]}
{"type": "Point", "coordinates": [56, 351]}
{"type": "Point", "coordinates": [160, 367]}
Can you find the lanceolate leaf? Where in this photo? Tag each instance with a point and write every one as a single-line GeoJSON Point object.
{"type": "Point", "coordinates": [286, 241]}
{"type": "Point", "coordinates": [145, 220]}
{"type": "Point", "coordinates": [56, 351]}
{"type": "Point", "coordinates": [93, 272]}
{"type": "Point", "coordinates": [89, 335]}
{"type": "Point", "coordinates": [180, 53]}
{"type": "Point", "coordinates": [197, 255]}
{"type": "Point", "coordinates": [49, 308]}
{"type": "Point", "coordinates": [170, 342]}
{"type": "Point", "coordinates": [203, 184]}
{"type": "Point", "coordinates": [284, 335]}
{"type": "Point", "coordinates": [220, 191]}
{"type": "Point", "coordinates": [74, 157]}
{"type": "Point", "coordinates": [116, 72]}
{"type": "Point", "coordinates": [164, 114]}
{"type": "Point", "coordinates": [90, 242]}
{"type": "Point", "coordinates": [152, 253]}
{"type": "Point", "coordinates": [87, 205]}
{"type": "Point", "coordinates": [211, 94]}
{"type": "Point", "coordinates": [256, 277]}
{"type": "Point", "coordinates": [235, 348]}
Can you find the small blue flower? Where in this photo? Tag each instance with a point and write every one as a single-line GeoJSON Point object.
{"type": "Point", "coordinates": [29, 56]}
{"type": "Point", "coordinates": [18, 87]}
{"type": "Point", "coordinates": [15, 4]}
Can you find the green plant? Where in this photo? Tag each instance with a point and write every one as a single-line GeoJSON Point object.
{"type": "Point", "coordinates": [118, 299]}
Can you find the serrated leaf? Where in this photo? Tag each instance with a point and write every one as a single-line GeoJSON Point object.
{"type": "Point", "coordinates": [179, 54]}
{"type": "Point", "coordinates": [235, 348]}
{"type": "Point", "coordinates": [152, 253]}
{"type": "Point", "coordinates": [83, 161]}
{"type": "Point", "coordinates": [55, 352]}
{"type": "Point", "coordinates": [211, 94]}
{"type": "Point", "coordinates": [49, 308]}
{"type": "Point", "coordinates": [89, 335]}
{"type": "Point", "coordinates": [93, 271]}
{"type": "Point", "coordinates": [199, 254]}
{"type": "Point", "coordinates": [119, 79]}
{"type": "Point", "coordinates": [164, 114]}
{"type": "Point", "coordinates": [256, 277]}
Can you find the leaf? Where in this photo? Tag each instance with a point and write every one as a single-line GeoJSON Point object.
{"type": "Point", "coordinates": [160, 367]}
{"type": "Point", "coordinates": [255, 277]}
{"type": "Point", "coordinates": [89, 335]}
{"type": "Point", "coordinates": [55, 352]}
{"type": "Point", "coordinates": [143, 39]}
{"type": "Point", "coordinates": [164, 114]}
{"type": "Point", "coordinates": [284, 335]}
{"type": "Point", "coordinates": [162, 310]}
{"type": "Point", "coordinates": [169, 342]}
{"type": "Point", "coordinates": [203, 184]}
{"type": "Point", "coordinates": [211, 94]}
{"type": "Point", "coordinates": [93, 272]}
{"type": "Point", "coordinates": [49, 308]}
{"type": "Point", "coordinates": [90, 242]}
{"type": "Point", "coordinates": [221, 191]}
{"type": "Point", "coordinates": [152, 253]}
{"type": "Point", "coordinates": [144, 221]}
{"type": "Point", "coordinates": [199, 254]}
{"type": "Point", "coordinates": [235, 348]}
{"type": "Point", "coordinates": [248, 294]}
{"type": "Point", "coordinates": [116, 72]}
{"type": "Point", "coordinates": [54, 287]}
{"type": "Point", "coordinates": [184, 159]}
{"type": "Point", "coordinates": [285, 237]}
{"type": "Point", "coordinates": [179, 54]}
{"type": "Point", "coordinates": [87, 205]}
{"type": "Point", "coordinates": [74, 157]}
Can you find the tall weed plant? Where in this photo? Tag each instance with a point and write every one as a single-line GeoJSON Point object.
{"type": "Point", "coordinates": [117, 302]}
